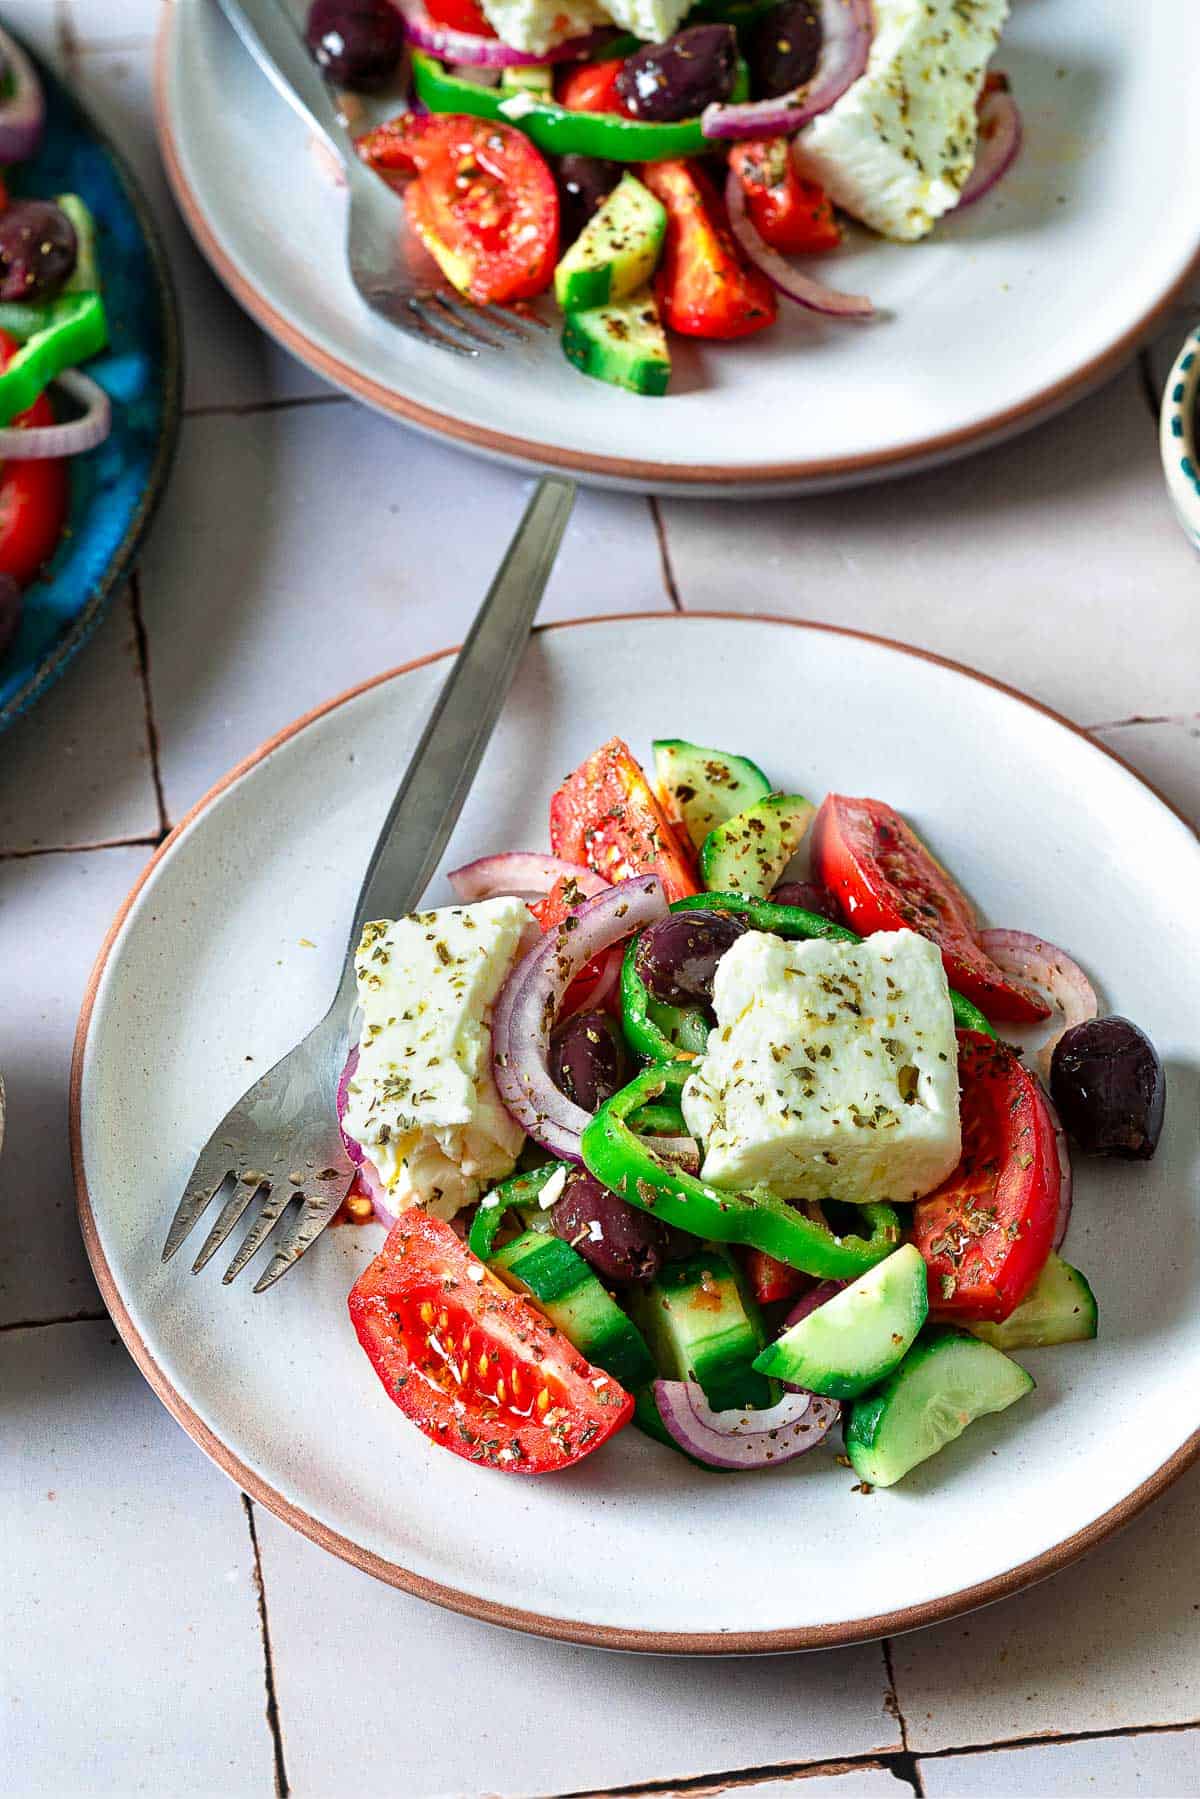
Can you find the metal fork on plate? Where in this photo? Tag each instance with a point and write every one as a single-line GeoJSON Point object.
{"type": "Point", "coordinates": [281, 1140]}
{"type": "Point", "coordinates": [389, 269]}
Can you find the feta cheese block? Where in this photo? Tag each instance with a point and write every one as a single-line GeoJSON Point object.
{"type": "Point", "coordinates": [422, 1101]}
{"type": "Point", "coordinates": [653, 19]}
{"type": "Point", "coordinates": [897, 148]}
{"type": "Point", "coordinates": [832, 1072]}
{"type": "Point", "coordinates": [537, 25]}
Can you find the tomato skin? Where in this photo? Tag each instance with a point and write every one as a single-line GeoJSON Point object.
{"type": "Point", "coordinates": [459, 15]}
{"type": "Point", "coordinates": [791, 213]}
{"type": "Point", "coordinates": [483, 203]}
{"type": "Point", "coordinates": [704, 286]}
{"type": "Point", "coordinates": [606, 816]}
{"type": "Point", "coordinates": [563, 899]}
{"type": "Point", "coordinates": [771, 1281]}
{"type": "Point", "coordinates": [424, 1267]}
{"type": "Point", "coordinates": [886, 880]}
{"type": "Point", "coordinates": [34, 496]}
{"type": "Point", "coordinates": [987, 1230]}
{"type": "Point", "coordinates": [593, 88]}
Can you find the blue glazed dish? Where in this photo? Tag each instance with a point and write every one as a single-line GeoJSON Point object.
{"type": "Point", "coordinates": [115, 488]}
{"type": "Point", "coordinates": [1179, 435]}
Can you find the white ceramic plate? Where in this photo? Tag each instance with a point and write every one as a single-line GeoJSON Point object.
{"type": "Point", "coordinates": [210, 975]}
{"type": "Point", "coordinates": [1003, 317]}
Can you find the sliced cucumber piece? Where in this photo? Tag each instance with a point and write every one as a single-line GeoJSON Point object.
{"type": "Point", "coordinates": [622, 343]}
{"type": "Point", "coordinates": [1059, 1308]}
{"type": "Point", "coordinates": [749, 852]}
{"type": "Point", "coordinates": [85, 276]}
{"type": "Point", "coordinates": [616, 252]}
{"type": "Point", "coordinates": [700, 1326]}
{"type": "Point", "coordinates": [854, 1339]}
{"type": "Point", "coordinates": [946, 1381]}
{"type": "Point", "coordinates": [705, 787]}
{"type": "Point", "coordinates": [573, 1299]}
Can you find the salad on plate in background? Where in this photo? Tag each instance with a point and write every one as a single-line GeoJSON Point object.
{"type": "Point", "coordinates": [670, 168]}
{"type": "Point", "coordinates": [671, 1130]}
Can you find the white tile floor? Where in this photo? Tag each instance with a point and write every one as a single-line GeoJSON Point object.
{"type": "Point", "coordinates": [133, 1654]}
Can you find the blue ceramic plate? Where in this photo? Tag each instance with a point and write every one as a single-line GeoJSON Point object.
{"type": "Point", "coordinates": [115, 489]}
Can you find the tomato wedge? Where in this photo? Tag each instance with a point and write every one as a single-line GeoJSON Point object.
{"type": "Point", "coordinates": [771, 1281]}
{"type": "Point", "coordinates": [606, 816]}
{"type": "Point", "coordinates": [34, 496]}
{"type": "Point", "coordinates": [986, 1232]}
{"type": "Point", "coordinates": [459, 15]}
{"type": "Point", "coordinates": [705, 287]}
{"type": "Point", "coordinates": [791, 213]}
{"type": "Point", "coordinates": [474, 1366]}
{"type": "Point", "coordinates": [886, 880]}
{"type": "Point", "coordinates": [484, 202]}
{"type": "Point", "coordinates": [563, 899]}
{"type": "Point", "coordinates": [593, 88]}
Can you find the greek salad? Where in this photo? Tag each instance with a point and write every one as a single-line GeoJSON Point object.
{"type": "Point", "coordinates": [661, 165]}
{"type": "Point", "coordinates": [51, 319]}
{"type": "Point", "coordinates": [668, 1130]}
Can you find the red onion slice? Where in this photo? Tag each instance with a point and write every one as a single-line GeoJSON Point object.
{"type": "Point", "coordinates": [23, 114]}
{"type": "Point", "coordinates": [595, 994]}
{"type": "Point", "coordinates": [487, 52]}
{"type": "Point", "coordinates": [743, 1439]}
{"type": "Point", "coordinates": [1066, 1180]}
{"type": "Point", "coordinates": [31, 443]}
{"type": "Point", "coordinates": [367, 1178]}
{"type": "Point", "coordinates": [808, 1302]}
{"type": "Point", "coordinates": [526, 874]}
{"type": "Point", "coordinates": [1052, 974]}
{"type": "Point", "coordinates": [1000, 135]}
{"type": "Point", "coordinates": [529, 1004]}
{"type": "Point", "coordinates": [812, 295]}
{"type": "Point", "coordinates": [847, 28]}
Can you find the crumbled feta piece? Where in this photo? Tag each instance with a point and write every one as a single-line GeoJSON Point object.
{"type": "Point", "coordinates": [537, 25]}
{"type": "Point", "coordinates": [422, 1101]}
{"type": "Point", "coordinates": [553, 1190]}
{"type": "Point", "coordinates": [832, 1072]}
{"type": "Point", "coordinates": [518, 106]}
{"type": "Point", "coordinates": [653, 19]}
{"type": "Point", "coordinates": [897, 148]}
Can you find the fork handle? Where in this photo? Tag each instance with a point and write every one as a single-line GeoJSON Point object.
{"type": "Point", "coordinates": [438, 779]}
{"type": "Point", "coordinates": [273, 41]}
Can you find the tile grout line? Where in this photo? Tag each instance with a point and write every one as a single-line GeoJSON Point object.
{"type": "Point", "coordinates": [1053, 1738]}
{"type": "Point", "coordinates": [282, 1789]}
{"type": "Point", "coordinates": [664, 554]}
{"type": "Point", "coordinates": [142, 642]}
{"type": "Point", "coordinates": [1146, 718]}
{"type": "Point", "coordinates": [149, 840]}
{"type": "Point", "coordinates": [39, 1324]}
{"type": "Point", "coordinates": [904, 1766]}
{"type": "Point", "coordinates": [252, 408]}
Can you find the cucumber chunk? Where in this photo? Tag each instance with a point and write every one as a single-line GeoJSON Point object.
{"type": "Point", "coordinates": [85, 276]}
{"type": "Point", "coordinates": [700, 1326]}
{"type": "Point", "coordinates": [616, 252]}
{"type": "Point", "coordinates": [622, 343]}
{"type": "Point", "coordinates": [946, 1381]}
{"type": "Point", "coordinates": [573, 1299]}
{"type": "Point", "coordinates": [703, 787]}
{"type": "Point", "coordinates": [749, 852]}
{"type": "Point", "coordinates": [1059, 1308]}
{"type": "Point", "coordinates": [854, 1339]}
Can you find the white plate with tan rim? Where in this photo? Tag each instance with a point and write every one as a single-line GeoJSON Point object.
{"type": "Point", "coordinates": [229, 948]}
{"type": "Point", "coordinates": [1003, 317]}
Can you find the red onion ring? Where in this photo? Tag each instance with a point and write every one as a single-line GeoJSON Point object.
{"type": "Point", "coordinates": [1000, 135]}
{"type": "Point", "coordinates": [740, 1440]}
{"type": "Point", "coordinates": [526, 874]}
{"type": "Point", "coordinates": [1052, 974]}
{"type": "Point", "coordinates": [23, 114]}
{"type": "Point", "coordinates": [453, 46]}
{"type": "Point", "coordinates": [806, 292]}
{"type": "Point", "coordinates": [529, 1002]}
{"type": "Point", "coordinates": [367, 1178]}
{"type": "Point", "coordinates": [1066, 1180]}
{"type": "Point", "coordinates": [847, 28]}
{"type": "Point", "coordinates": [32, 443]}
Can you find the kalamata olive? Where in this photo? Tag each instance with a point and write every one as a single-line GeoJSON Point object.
{"type": "Point", "coordinates": [355, 43]}
{"type": "Point", "coordinates": [678, 79]}
{"type": "Point", "coordinates": [10, 611]}
{"type": "Point", "coordinates": [810, 896]}
{"type": "Point", "coordinates": [37, 250]}
{"type": "Point", "coordinates": [622, 1244]}
{"type": "Point", "coordinates": [784, 48]}
{"type": "Point", "coordinates": [678, 956]}
{"type": "Point", "coordinates": [1109, 1087]}
{"type": "Point", "coordinates": [588, 1059]}
{"type": "Point", "coordinates": [583, 182]}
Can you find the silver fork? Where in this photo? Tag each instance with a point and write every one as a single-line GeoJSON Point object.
{"type": "Point", "coordinates": [281, 1139]}
{"type": "Point", "coordinates": [388, 267]}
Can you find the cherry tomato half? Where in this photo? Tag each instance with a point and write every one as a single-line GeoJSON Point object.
{"type": "Point", "coordinates": [593, 88]}
{"type": "Point", "coordinates": [459, 15]}
{"type": "Point", "coordinates": [605, 816]}
{"type": "Point", "coordinates": [34, 496]}
{"type": "Point", "coordinates": [791, 213]}
{"type": "Point", "coordinates": [704, 287]}
{"type": "Point", "coordinates": [886, 880]}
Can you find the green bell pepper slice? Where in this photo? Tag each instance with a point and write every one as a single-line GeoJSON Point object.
{"type": "Point", "coordinates": [559, 131]}
{"type": "Point", "coordinates": [657, 1120]}
{"type": "Point", "coordinates": [624, 1163]}
{"type": "Point", "coordinates": [794, 921]}
{"type": "Point", "coordinates": [56, 337]}
{"type": "Point", "coordinates": [518, 1190]}
{"type": "Point", "coordinates": [653, 1031]}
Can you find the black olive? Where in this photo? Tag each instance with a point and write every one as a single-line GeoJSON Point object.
{"type": "Point", "coordinates": [1108, 1084]}
{"type": "Point", "coordinates": [785, 48]}
{"type": "Point", "coordinates": [678, 79]}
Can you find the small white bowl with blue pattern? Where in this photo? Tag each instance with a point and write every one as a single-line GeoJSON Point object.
{"type": "Point", "coordinates": [1178, 435]}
